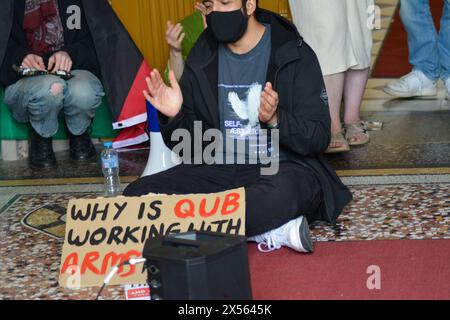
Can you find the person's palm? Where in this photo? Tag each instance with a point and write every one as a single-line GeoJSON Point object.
{"type": "Point", "coordinates": [167, 100]}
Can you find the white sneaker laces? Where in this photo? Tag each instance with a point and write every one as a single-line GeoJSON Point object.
{"type": "Point", "coordinates": [412, 80]}
{"type": "Point", "coordinates": [273, 240]}
{"type": "Point", "coordinates": [269, 245]}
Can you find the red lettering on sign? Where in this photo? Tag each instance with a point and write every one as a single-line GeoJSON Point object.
{"type": "Point", "coordinates": [185, 213]}
{"type": "Point", "coordinates": [203, 212]}
{"type": "Point", "coordinates": [88, 262]}
{"type": "Point", "coordinates": [128, 256]}
{"type": "Point", "coordinates": [231, 204]}
{"type": "Point", "coordinates": [71, 260]}
{"type": "Point", "coordinates": [109, 260]}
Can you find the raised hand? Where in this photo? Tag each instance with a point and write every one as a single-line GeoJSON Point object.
{"type": "Point", "coordinates": [205, 8]}
{"type": "Point", "coordinates": [175, 36]}
{"type": "Point", "coordinates": [33, 61]}
{"type": "Point", "coordinates": [167, 100]}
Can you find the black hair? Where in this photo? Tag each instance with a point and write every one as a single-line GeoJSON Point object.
{"type": "Point", "coordinates": [244, 2]}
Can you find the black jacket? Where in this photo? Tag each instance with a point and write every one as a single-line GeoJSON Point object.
{"type": "Point", "coordinates": [78, 43]}
{"type": "Point", "coordinates": [303, 112]}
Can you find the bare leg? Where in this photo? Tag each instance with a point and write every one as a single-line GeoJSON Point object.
{"type": "Point", "coordinates": [335, 87]}
{"type": "Point", "coordinates": [355, 85]}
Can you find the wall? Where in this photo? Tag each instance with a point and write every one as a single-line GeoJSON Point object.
{"type": "Point", "coordinates": [146, 22]}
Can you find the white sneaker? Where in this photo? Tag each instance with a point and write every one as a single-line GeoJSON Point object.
{"type": "Point", "coordinates": [294, 234]}
{"type": "Point", "coordinates": [414, 84]}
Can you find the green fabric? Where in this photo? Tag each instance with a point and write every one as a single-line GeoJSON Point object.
{"type": "Point", "coordinates": [193, 28]}
{"type": "Point", "coordinates": [10, 129]}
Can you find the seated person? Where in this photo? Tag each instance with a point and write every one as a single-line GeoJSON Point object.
{"type": "Point", "coordinates": [42, 39]}
{"type": "Point", "coordinates": [182, 37]}
{"type": "Point", "coordinates": [247, 50]}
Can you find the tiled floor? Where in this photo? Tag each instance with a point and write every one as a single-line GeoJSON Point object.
{"type": "Point", "coordinates": [400, 182]}
{"type": "Point", "coordinates": [30, 259]}
{"type": "Point", "coordinates": [417, 138]}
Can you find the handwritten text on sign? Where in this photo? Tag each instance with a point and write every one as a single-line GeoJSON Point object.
{"type": "Point", "coordinates": [101, 233]}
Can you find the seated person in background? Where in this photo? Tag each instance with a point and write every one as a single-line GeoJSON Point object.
{"type": "Point", "coordinates": [42, 39]}
{"type": "Point", "coordinates": [250, 69]}
{"type": "Point", "coordinates": [182, 37]}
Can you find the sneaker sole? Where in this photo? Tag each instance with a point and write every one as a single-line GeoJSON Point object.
{"type": "Point", "coordinates": [305, 236]}
{"type": "Point", "coordinates": [409, 95]}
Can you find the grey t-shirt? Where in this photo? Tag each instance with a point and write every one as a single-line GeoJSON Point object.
{"type": "Point", "coordinates": [241, 81]}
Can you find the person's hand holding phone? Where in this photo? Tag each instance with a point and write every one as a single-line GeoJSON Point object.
{"type": "Point", "coordinates": [33, 61]}
{"type": "Point", "coordinates": [59, 61]}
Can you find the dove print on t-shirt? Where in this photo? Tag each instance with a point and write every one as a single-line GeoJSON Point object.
{"type": "Point", "coordinates": [241, 80]}
{"type": "Point", "coordinates": [245, 109]}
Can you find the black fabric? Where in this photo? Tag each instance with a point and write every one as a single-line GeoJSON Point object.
{"type": "Point", "coordinates": [228, 27]}
{"type": "Point", "coordinates": [81, 147]}
{"type": "Point", "coordinates": [78, 43]}
{"type": "Point", "coordinates": [271, 201]}
{"type": "Point", "coordinates": [6, 14]}
{"type": "Point", "coordinates": [120, 58]}
{"type": "Point", "coordinates": [41, 151]}
{"type": "Point", "coordinates": [304, 118]}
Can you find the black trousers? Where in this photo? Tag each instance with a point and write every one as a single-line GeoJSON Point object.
{"type": "Point", "coordinates": [271, 201]}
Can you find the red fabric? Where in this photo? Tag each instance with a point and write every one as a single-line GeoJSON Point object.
{"type": "Point", "coordinates": [132, 119]}
{"type": "Point", "coordinates": [132, 136]}
{"type": "Point", "coordinates": [410, 269]}
{"type": "Point", "coordinates": [38, 16]}
{"type": "Point", "coordinates": [135, 104]}
{"type": "Point", "coordinates": [393, 61]}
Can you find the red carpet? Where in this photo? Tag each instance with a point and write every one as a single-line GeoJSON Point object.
{"type": "Point", "coordinates": [393, 59]}
{"type": "Point", "coordinates": [410, 269]}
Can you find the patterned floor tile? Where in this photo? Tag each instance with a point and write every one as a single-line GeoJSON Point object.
{"type": "Point", "coordinates": [30, 259]}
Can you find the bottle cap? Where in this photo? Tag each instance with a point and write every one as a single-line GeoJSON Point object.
{"type": "Point", "coordinates": [108, 144]}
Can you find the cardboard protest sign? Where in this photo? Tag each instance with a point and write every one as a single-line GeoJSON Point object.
{"type": "Point", "coordinates": [102, 233]}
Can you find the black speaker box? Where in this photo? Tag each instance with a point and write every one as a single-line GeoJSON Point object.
{"type": "Point", "coordinates": [198, 266]}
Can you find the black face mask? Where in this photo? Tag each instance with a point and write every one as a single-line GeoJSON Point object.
{"type": "Point", "coordinates": [227, 27]}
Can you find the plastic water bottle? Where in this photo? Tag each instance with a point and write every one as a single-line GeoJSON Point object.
{"type": "Point", "coordinates": [110, 168]}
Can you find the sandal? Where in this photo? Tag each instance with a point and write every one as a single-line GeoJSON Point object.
{"type": "Point", "coordinates": [354, 129]}
{"type": "Point", "coordinates": [338, 138]}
